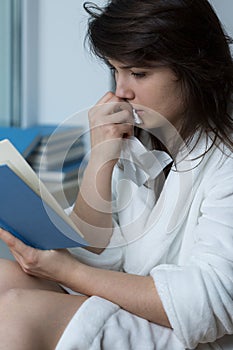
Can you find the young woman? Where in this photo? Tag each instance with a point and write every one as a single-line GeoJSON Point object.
{"type": "Point", "coordinates": [158, 274]}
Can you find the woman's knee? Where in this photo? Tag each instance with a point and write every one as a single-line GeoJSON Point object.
{"type": "Point", "coordinates": [19, 321]}
{"type": "Point", "coordinates": [11, 300]}
{"type": "Point", "coordinates": [11, 296]}
{"type": "Point", "coordinates": [12, 276]}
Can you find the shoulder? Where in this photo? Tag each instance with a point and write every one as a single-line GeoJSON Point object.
{"type": "Point", "coordinates": [207, 164]}
{"type": "Point", "coordinates": [218, 170]}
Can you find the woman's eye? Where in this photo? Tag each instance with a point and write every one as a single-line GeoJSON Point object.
{"type": "Point", "coordinates": [138, 75]}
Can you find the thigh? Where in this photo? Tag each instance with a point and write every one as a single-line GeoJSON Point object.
{"type": "Point", "coordinates": [36, 317]}
{"type": "Point", "coordinates": [12, 276]}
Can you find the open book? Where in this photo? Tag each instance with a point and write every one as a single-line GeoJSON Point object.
{"type": "Point", "coordinates": [28, 210]}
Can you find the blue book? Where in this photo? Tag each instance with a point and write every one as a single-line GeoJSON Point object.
{"type": "Point", "coordinates": [28, 210]}
{"type": "Point", "coordinates": [25, 140]}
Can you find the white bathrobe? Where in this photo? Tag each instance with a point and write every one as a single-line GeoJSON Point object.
{"type": "Point", "coordinates": [184, 240]}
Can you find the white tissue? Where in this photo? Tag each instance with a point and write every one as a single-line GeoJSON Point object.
{"type": "Point", "coordinates": [141, 164]}
{"type": "Point", "coordinates": [137, 119]}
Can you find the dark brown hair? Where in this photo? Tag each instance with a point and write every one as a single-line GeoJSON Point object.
{"type": "Point", "coordinates": [185, 35]}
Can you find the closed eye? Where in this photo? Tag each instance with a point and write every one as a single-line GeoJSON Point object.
{"type": "Point", "coordinates": [138, 75]}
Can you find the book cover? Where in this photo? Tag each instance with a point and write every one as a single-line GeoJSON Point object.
{"type": "Point", "coordinates": [25, 140]}
{"type": "Point", "coordinates": [28, 210]}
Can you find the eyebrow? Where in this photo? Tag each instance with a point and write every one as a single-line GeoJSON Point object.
{"type": "Point", "coordinates": [121, 67]}
{"type": "Point", "coordinates": [130, 67]}
{"type": "Point", "coordinates": [155, 65]}
{"type": "Point", "coordinates": [148, 66]}
{"type": "Point", "coordinates": [126, 67]}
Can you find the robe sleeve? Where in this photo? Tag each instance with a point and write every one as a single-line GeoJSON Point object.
{"type": "Point", "coordinates": [198, 295]}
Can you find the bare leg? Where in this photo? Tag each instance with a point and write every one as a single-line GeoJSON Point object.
{"type": "Point", "coordinates": [35, 319]}
{"type": "Point", "coordinates": [34, 312]}
{"type": "Point", "coordinates": [12, 276]}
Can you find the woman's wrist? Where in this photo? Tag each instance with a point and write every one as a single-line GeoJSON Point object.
{"type": "Point", "coordinates": [74, 278]}
{"type": "Point", "coordinates": [97, 164]}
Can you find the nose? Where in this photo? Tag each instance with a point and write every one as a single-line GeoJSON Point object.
{"type": "Point", "coordinates": [124, 90]}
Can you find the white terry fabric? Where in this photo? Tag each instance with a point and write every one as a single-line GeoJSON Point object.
{"type": "Point", "coordinates": [184, 240]}
{"type": "Point", "coordinates": [112, 328]}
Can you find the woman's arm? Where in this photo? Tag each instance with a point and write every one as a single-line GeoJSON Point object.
{"type": "Point", "coordinates": [110, 120]}
{"type": "Point", "coordinates": [95, 222]}
{"type": "Point", "coordinates": [136, 294]}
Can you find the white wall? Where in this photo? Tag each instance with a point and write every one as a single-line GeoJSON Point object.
{"type": "Point", "coordinates": [224, 10]}
{"type": "Point", "coordinates": [68, 78]}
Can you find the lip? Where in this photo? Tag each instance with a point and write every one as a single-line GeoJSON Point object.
{"type": "Point", "coordinates": [139, 111]}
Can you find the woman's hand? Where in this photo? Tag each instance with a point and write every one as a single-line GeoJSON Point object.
{"type": "Point", "coordinates": [110, 120]}
{"type": "Point", "coordinates": [48, 264]}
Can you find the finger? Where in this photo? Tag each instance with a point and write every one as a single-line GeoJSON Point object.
{"type": "Point", "coordinates": [110, 97]}
{"type": "Point", "coordinates": [101, 111]}
{"type": "Point", "coordinates": [121, 130]}
{"type": "Point", "coordinates": [7, 237]}
{"type": "Point", "coordinates": [121, 117]}
{"type": "Point", "coordinates": [17, 257]}
{"type": "Point", "coordinates": [107, 97]}
{"type": "Point", "coordinates": [27, 260]}
{"type": "Point", "coordinates": [13, 242]}
{"type": "Point", "coordinates": [116, 118]}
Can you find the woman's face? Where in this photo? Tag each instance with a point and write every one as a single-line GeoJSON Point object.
{"type": "Point", "coordinates": [154, 92]}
